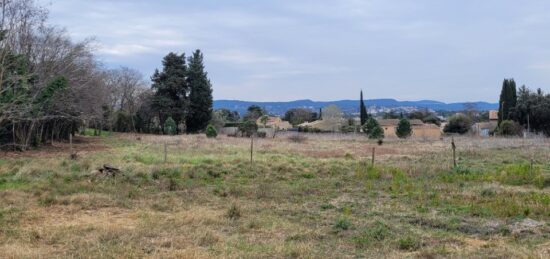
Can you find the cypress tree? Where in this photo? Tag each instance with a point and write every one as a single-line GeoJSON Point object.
{"type": "Point", "coordinates": [200, 109]}
{"type": "Point", "coordinates": [171, 88]}
{"type": "Point", "coordinates": [508, 99]}
{"type": "Point", "coordinates": [363, 110]}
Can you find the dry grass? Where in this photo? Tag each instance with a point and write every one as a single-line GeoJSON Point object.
{"type": "Point", "coordinates": [316, 198]}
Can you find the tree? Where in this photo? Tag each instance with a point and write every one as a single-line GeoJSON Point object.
{"type": "Point", "coordinates": [248, 128]}
{"type": "Point", "coordinates": [171, 89]}
{"type": "Point", "coordinates": [211, 131]}
{"type": "Point", "coordinates": [403, 129]}
{"type": "Point", "coordinates": [372, 129]}
{"type": "Point", "coordinates": [458, 123]}
{"type": "Point", "coordinates": [298, 116]}
{"type": "Point", "coordinates": [170, 127]}
{"type": "Point", "coordinates": [363, 114]}
{"type": "Point", "coordinates": [200, 98]}
{"type": "Point", "coordinates": [227, 115]}
{"type": "Point", "coordinates": [254, 112]}
{"type": "Point", "coordinates": [508, 99]}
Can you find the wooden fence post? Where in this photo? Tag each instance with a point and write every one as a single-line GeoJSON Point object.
{"type": "Point", "coordinates": [454, 151]}
{"type": "Point", "coordinates": [373, 152]}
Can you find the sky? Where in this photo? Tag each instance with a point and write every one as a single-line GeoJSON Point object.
{"type": "Point", "coordinates": [324, 50]}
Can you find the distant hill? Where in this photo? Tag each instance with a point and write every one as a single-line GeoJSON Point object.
{"type": "Point", "coordinates": [352, 106]}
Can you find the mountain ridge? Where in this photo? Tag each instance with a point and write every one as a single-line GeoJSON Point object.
{"type": "Point", "coordinates": [352, 106]}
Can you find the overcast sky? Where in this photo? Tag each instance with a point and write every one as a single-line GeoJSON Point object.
{"type": "Point", "coordinates": [449, 51]}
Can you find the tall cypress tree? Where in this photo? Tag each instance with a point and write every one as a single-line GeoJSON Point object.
{"type": "Point", "coordinates": [363, 110]}
{"type": "Point", "coordinates": [171, 88]}
{"type": "Point", "coordinates": [200, 97]}
{"type": "Point", "coordinates": [508, 99]}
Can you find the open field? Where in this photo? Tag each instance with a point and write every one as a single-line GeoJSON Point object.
{"type": "Point", "coordinates": [315, 199]}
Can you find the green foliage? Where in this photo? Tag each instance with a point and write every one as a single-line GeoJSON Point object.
{"type": "Point", "coordinates": [522, 174]}
{"type": "Point", "coordinates": [211, 131]}
{"type": "Point", "coordinates": [248, 128]}
{"type": "Point", "coordinates": [403, 129]}
{"type": "Point", "coordinates": [508, 99]}
{"type": "Point", "coordinates": [171, 89]}
{"type": "Point", "coordinates": [458, 123]}
{"type": "Point", "coordinates": [409, 243]}
{"type": "Point", "coordinates": [363, 114]}
{"type": "Point", "coordinates": [200, 98]}
{"type": "Point", "coordinates": [170, 127]}
{"type": "Point", "coordinates": [254, 112]}
{"type": "Point", "coordinates": [298, 116]}
{"type": "Point", "coordinates": [375, 232]}
{"type": "Point", "coordinates": [373, 129]}
{"type": "Point", "coordinates": [48, 92]}
{"type": "Point", "coordinates": [342, 223]}
{"type": "Point", "coordinates": [509, 128]}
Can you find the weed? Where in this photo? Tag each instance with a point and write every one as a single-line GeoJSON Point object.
{"type": "Point", "coordinates": [409, 243]}
{"type": "Point", "coordinates": [342, 224]}
{"type": "Point", "coordinates": [234, 212]}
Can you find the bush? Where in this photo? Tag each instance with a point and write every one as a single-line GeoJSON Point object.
{"type": "Point", "coordinates": [211, 131]}
{"type": "Point", "coordinates": [170, 126]}
{"type": "Point", "coordinates": [458, 123]}
{"type": "Point", "coordinates": [509, 128]}
{"type": "Point", "coordinates": [342, 224]}
{"type": "Point", "coordinates": [248, 128]}
{"type": "Point", "coordinates": [403, 129]}
{"type": "Point", "coordinates": [373, 129]}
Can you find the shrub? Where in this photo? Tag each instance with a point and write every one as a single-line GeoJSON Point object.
{"type": "Point", "coordinates": [248, 128]}
{"type": "Point", "coordinates": [373, 129]}
{"type": "Point", "coordinates": [170, 126]}
{"type": "Point", "coordinates": [342, 224]}
{"type": "Point", "coordinates": [509, 128]}
{"type": "Point", "coordinates": [409, 243]}
{"type": "Point", "coordinates": [403, 129]}
{"type": "Point", "coordinates": [211, 131]}
{"type": "Point", "coordinates": [458, 123]}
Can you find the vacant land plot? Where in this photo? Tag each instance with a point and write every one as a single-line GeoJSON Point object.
{"type": "Point", "coordinates": [301, 198]}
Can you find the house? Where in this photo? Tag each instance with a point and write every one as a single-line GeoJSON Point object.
{"type": "Point", "coordinates": [493, 115]}
{"type": "Point", "coordinates": [328, 125]}
{"type": "Point", "coordinates": [485, 129]}
{"type": "Point", "coordinates": [274, 122]}
{"type": "Point", "coordinates": [419, 129]}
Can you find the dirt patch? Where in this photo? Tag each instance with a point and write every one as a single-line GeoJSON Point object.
{"type": "Point", "coordinates": [81, 145]}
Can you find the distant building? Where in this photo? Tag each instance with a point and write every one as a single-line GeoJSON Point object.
{"type": "Point", "coordinates": [419, 129]}
{"type": "Point", "coordinates": [493, 115]}
{"type": "Point", "coordinates": [275, 122]}
{"type": "Point", "coordinates": [485, 129]}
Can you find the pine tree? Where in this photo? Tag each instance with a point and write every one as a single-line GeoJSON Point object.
{"type": "Point", "coordinates": [363, 110]}
{"type": "Point", "coordinates": [403, 129]}
{"type": "Point", "coordinates": [200, 109]}
{"type": "Point", "coordinates": [170, 99]}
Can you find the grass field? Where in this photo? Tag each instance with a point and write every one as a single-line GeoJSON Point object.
{"type": "Point", "coordinates": [319, 198]}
